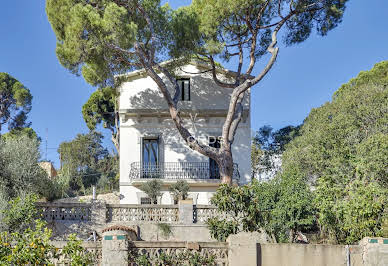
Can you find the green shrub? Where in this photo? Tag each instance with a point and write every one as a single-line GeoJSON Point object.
{"type": "Point", "coordinates": [30, 247]}
{"type": "Point", "coordinates": [77, 255]}
{"type": "Point", "coordinates": [180, 190]}
{"type": "Point", "coordinates": [21, 213]}
{"type": "Point", "coordinates": [165, 229]}
{"type": "Point", "coordinates": [152, 189]}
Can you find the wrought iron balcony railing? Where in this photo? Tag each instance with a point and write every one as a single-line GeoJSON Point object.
{"type": "Point", "coordinates": [178, 170]}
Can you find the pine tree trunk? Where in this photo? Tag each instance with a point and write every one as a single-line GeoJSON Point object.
{"type": "Point", "coordinates": [225, 165]}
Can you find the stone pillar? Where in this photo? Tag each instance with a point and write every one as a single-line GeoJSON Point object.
{"type": "Point", "coordinates": [115, 245]}
{"type": "Point", "coordinates": [186, 211]}
{"type": "Point", "coordinates": [375, 251]}
{"type": "Point", "coordinates": [98, 213]}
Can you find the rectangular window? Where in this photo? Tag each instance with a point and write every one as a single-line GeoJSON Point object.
{"type": "Point", "coordinates": [145, 201]}
{"type": "Point", "coordinates": [184, 84]}
{"type": "Point", "coordinates": [150, 151]}
{"type": "Point", "coordinates": [150, 157]}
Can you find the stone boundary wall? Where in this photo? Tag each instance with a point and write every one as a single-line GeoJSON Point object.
{"type": "Point", "coordinates": [186, 221]}
{"type": "Point", "coordinates": [246, 250]}
{"type": "Point", "coordinates": [242, 250]}
{"type": "Point", "coordinates": [304, 255]}
{"type": "Point", "coordinates": [218, 250]}
{"type": "Point", "coordinates": [92, 247]}
{"type": "Point", "coordinates": [153, 249]}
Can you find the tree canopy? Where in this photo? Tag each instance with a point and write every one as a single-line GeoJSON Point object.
{"type": "Point", "coordinates": [103, 38]}
{"type": "Point", "coordinates": [84, 161]}
{"type": "Point", "coordinates": [267, 148]}
{"type": "Point", "coordinates": [101, 108]}
{"type": "Point", "coordinates": [15, 102]}
{"type": "Point", "coordinates": [342, 151]}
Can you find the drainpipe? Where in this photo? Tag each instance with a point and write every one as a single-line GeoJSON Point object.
{"type": "Point", "coordinates": [347, 256]}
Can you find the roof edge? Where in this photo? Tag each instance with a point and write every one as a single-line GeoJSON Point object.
{"type": "Point", "coordinates": [197, 63]}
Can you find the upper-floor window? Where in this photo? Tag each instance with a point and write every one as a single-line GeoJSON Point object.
{"type": "Point", "coordinates": [150, 151]}
{"type": "Point", "coordinates": [184, 84]}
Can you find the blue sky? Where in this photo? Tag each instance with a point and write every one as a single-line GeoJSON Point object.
{"type": "Point", "coordinates": [304, 76]}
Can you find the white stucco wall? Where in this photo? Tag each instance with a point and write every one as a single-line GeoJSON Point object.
{"type": "Point", "coordinates": [143, 94]}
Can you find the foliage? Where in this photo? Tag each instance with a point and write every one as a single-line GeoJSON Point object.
{"type": "Point", "coordinates": [221, 229]}
{"type": "Point", "coordinates": [276, 207]}
{"type": "Point", "coordinates": [152, 188]}
{"type": "Point", "coordinates": [4, 199]}
{"type": "Point", "coordinates": [26, 239]}
{"type": "Point", "coordinates": [267, 147]}
{"type": "Point", "coordinates": [15, 102]}
{"type": "Point", "coordinates": [385, 226]}
{"type": "Point", "coordinates": [342, 151]}
{"type": "Point", "coordinates": [91, 35]}
{"type": "Point", "coordinates": [30, 247]}
{"type": "Point", "coordinates": [21, 213]}
{"type": "Point", "coordinates": [84, 160]}
{"type": "Point", "coordinates": [18, 132]}
{"type": "Point", "coordinates": [104, 39]}
{"type": "Point", "coordinates": [165, 229]}
{"type": "Point", "coordinates": [19, 169]}
{"type": "Point", "coordinates": [101, 109]}
{"type": "Point", "coordinates": [77, 255]}
{"type": "Point", "coordinates": [179, 190]}
{"type": "Point", "coordinates": [183, 258]}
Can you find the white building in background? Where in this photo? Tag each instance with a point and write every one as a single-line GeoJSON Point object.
{"type": "Point", "coordinates": [267, 173]}
{"type": "Point", "coordinates": [151, 147]}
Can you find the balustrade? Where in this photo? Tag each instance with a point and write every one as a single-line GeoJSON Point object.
{"type": "Point", "coordinates": [144, 213]}
{"type": "Point", "coordinates": [153, 250]}
{"type": "Point", "coordinates": [203, 212]}
{"type": "Point", "coordinates": [178, 170]}
{"type": "Point", "coordinates": [64, 211]}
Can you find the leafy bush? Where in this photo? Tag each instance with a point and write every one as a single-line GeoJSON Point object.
{"type": "Point", "coordinates": [19, 169]}
{"type": "Point", "coordinates": [30, 247]}
{"type": "Point", "coordinates": [21, 213]}
{"type": "Point", "coordinates": [26, 240]}
{"type": "Point", "coordinates": [279, 207]}
{"type": "Point", "coordinates": [76, 254]}
{"type": "Point", "coordinates": [180, 190]}
{"type": "Point", "coordinates": [342, 151]}
{"type": "Point", "coordinates": [165, 229]}
{"type": "Point", "coordinates": [152, 189]}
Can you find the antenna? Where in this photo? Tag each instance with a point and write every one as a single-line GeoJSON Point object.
{"type": "Point", "coordinates": [46, 142]}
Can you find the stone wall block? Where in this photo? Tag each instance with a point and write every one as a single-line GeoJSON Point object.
{"type": "Point", "coordinates": [186, 212]}
{"type": "Point", "coordinates": [98, 213]}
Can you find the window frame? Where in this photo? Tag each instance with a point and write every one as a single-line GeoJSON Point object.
{"type": "Point", "coordinates": [157, 139]}
{"type": "Point", "coordinates": [181, 81]}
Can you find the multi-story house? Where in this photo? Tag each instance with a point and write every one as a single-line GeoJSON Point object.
{"type": "Point", "coordinates": [151, 147]}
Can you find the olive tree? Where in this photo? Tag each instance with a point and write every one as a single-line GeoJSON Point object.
{"type": "Point", "coordinates": [104, 38]}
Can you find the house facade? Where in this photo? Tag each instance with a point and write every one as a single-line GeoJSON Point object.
{"type": "Point", "coordinates": [152, 148]}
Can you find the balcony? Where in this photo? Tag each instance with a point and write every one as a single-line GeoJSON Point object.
{"type": "Point", "coordinates": [190, 171]}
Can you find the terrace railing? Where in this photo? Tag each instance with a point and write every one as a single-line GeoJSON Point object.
{"type": "Point", "coordinates": [178, 170]}
{"type": "Point", "coordinates": [64, 211]}
{"type": "Point", "coordinates": [142, 213]}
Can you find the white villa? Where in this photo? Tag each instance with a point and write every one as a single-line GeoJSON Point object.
{"type": "Point", "coordinates": [151, 147]}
